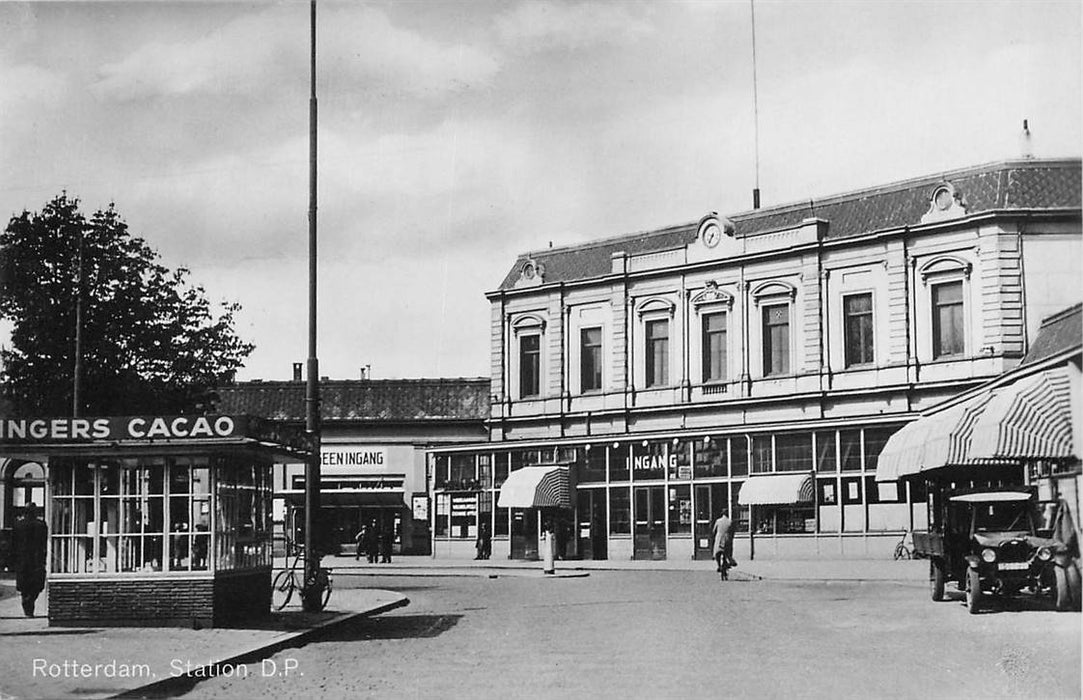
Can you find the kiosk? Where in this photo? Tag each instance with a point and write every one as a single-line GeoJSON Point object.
{"type": "Point", "coordinates": [156, 520]}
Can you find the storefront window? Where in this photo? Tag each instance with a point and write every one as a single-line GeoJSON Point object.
{"type": "Point", "coordinates": [739, 455]}
{"type": "Point", "coordinates": [519, 458]}
{"type": "Point", "coordinates": [592, 463]}
{"type": "Point", "coordinates": [464, 515]}
{"type": "Point", "coordinates": [793, 452]}
{"type": "Point", "coordinates": [680, 509]}
{"type": "Point", "coordinates": [485, 471]}
{"type": "Point", "coordinates": [440, 467]}
{"type": "Point", "coordinates": [463, 473]}
{"type": "Point", "coordinates": [875, 439]}
{"type": "Point", "coordinates": [242, 525]}
{"type": "Point", "coordinates": [825, 452]}
{"type": "Point", "coordinates": [680, 460]}
{"type": "Point", "coordinates": [501, 472]}
{"type": "Point", "coordinates": [649, 461]}
{"type": "Point", "coordinates": [443, 510]}
{"type": "Point", "coordinates": [762, 454]}
{"type": "Point", "coordinates": [738, 513]}
{"type": "Point", "coordinates": [850, 450]}
{"type": "Point", "coordinates": [151, 515]}
{"type": "Point", "coordinates": [620, 511]}
{"type": "Point", "coordinates": [784, 520]}
{"type": "Point", "coordinates": [619, 460]}
{"type": "Point", "coordinates": [710, 457]}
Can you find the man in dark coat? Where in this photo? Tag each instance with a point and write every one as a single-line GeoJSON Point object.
{"type": "Point", "coordinates": [30, 537]}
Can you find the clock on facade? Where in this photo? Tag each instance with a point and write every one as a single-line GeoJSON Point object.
{"type": "Point", "coordinates": [711, 235]}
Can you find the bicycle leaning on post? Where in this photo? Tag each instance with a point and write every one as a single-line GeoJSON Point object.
{"type": "Point", "coordinates": [291, 579]}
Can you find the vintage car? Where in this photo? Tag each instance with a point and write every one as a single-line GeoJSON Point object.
{"type": "Point", "coordinates": [994, 542]}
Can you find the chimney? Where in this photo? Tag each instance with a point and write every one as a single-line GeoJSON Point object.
{"type": "Point", "coordinates": [756, 198]}
{"type": "Point", "coordinates": [297, 374]}
{"type": "Point", "coordinates": [365, 371]}
{"type": "Point", "coordinates": [1026, 149]}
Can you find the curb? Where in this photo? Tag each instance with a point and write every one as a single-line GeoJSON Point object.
{"type": "Point", "coordinates": [172, 685]}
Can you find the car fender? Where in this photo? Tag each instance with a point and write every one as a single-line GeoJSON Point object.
{"type": "Point", "coordinates": [973, 561]}
{"type": "Point", "coordinates": [1062, 559]}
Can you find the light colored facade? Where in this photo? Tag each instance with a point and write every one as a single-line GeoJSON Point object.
{"type": "Point", "coordinates": [674, 368]}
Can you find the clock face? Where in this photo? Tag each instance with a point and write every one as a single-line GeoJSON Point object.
{"type": "Point", "coordinates": [711, 236]}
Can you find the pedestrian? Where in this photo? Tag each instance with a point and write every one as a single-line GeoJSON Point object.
{"type": "Point", "coordinates": [30, 535]}
{"type": "Point", "coordinates": [485, 542]}
{"type": "Point", "coordinates": [359, 541]}
{"type": "Point", "coordinates": [385, 545]}
{"type": "Point", "coordinates": [723, 540]}
{"type": "Point", "coordinates": [372, 542]}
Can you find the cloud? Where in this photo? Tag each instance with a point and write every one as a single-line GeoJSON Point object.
{"type": "Point", "coordinates": [251, 53]}
{"type": "Point", "coordinates": [556, 25]}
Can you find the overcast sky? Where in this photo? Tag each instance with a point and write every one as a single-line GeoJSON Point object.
{"type": "Point", "coordinates": [455, 135]}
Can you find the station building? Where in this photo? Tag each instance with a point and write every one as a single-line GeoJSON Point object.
{"type": "Point", "coordinates": [756, 363]}
{"type": "Point", "coordinates": [374, 437]}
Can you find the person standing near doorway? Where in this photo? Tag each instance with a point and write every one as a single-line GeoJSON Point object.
{"type": "Point", "coordinates": [30, 537]}
{"type": "Point", "coordinates": [372, 542]}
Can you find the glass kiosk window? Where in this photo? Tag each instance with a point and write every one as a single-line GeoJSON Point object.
{"type": "Point", "coordinates": [145, 515]}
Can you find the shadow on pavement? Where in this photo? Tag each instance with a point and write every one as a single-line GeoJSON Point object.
{"type": "Point", "coordinates": [48, 633]}
{"type": "Point", "coordinates": [391, 627]}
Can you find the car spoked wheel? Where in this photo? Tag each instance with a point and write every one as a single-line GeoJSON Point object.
{"type": "Point", "coordinates": [973, 591]}
{"type": "Point", "coordinates": [1074, 591]}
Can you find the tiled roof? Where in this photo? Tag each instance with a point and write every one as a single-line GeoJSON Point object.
{"type": "Point", "coordinates": [1059, 332]}
{"type": "Point", "coordinates": [364, 400]}
{"type": "Point", "coordinates": [1019, 184]}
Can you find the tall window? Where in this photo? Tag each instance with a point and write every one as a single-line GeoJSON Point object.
{"type": "Point", "coordinates": [948, 319]}
{"type": "Point", "coordinates": [714, 347]}
{"type": "Point", "coordinates": [776, 339]}
{"type": "Point", "coordinates": [657, 352]}
{"type": "Point", "coordinates": [857, 322]}
{"type": "Point", "coordinates": [529, 365]}
{"type": "Point", "coordinates": [590, 359]}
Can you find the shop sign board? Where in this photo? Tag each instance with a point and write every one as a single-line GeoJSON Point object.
{"type": "Point", "coordinates": [420, 507]}
{"type": "Point", "coordinates": [64, 430]}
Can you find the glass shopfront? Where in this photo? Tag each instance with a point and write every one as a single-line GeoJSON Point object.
{"type": "Point", "coordinates": [639, 498]}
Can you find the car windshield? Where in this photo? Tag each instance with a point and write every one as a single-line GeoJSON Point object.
{"type": "Point", "coordinates": [1001, 516]}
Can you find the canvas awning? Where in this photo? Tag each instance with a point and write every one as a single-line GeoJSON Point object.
{"type": "Point", "coordinates": [776, 489]}
{"type": "Point", "coordinates": [1030, 419]}
{"type": "Point", "coordinates": [938, 440]}
{"type": "Point", "coordinates": [536, 487]}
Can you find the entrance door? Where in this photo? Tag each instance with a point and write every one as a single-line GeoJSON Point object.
{"type": "Point", "coordinates": [593, 542]}
{"type": "Point", "coordinates": [711, 500]}
{"type": "Point", "coordinates": [649, 532]}
{"type": "Point", "coordinates": [524, 533]}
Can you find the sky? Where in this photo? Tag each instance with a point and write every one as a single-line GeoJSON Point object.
{"type": "Point", "coordinates": [454, 136]}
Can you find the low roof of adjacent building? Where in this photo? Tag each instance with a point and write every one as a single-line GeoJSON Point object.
{"type": "Point", "coordinates": [363, 400]}
{"type": "Point", "coordinates": [1060, 332]}
{"type": "Point", "coordinates": [1028, 184]}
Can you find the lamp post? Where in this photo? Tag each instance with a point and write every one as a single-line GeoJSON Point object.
{"type": "Point", "coordinates": [312, 589]}
{"type": "Point", "coordinates": [77, 370]}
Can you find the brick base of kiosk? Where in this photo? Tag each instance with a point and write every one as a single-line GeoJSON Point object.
{"type": "Point", "coordinates": [223, 600]}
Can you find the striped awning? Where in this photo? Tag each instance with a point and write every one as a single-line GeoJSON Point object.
{"type": "Point", "coordinates": [1030, 419]}
{"type": "Point", "coordinates": [941, 439]}
{"type": "Point", "coordinates": [536, 487]}
{"type": "Point", "coordinates": [776, 489]}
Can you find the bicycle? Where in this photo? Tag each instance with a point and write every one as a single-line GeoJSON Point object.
{"type": "Point", "coordinates": [289, 580]}
{"type": "Point", "coordinates": [904, 550]}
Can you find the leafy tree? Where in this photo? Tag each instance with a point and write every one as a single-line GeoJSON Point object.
{"type": "Point", "coordinates": [151, 341]}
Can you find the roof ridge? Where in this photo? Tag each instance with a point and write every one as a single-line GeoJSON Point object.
{"type": "Point", "coordinates": [1061, 315]}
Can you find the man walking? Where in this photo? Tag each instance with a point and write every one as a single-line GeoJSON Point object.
{"type": "Point", "coordinates": [723, 540]}
{"type": "Point", "coordinates": [30, 536]}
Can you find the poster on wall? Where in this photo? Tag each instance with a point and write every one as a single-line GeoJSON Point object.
{"type": "Point", "coordinates": [420, 506]}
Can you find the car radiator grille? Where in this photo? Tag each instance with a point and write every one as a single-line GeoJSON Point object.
{"type": "Point", "coordinates": [1013, 552]}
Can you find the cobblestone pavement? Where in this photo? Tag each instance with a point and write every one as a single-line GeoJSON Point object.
{"type": "Point", "coordinates": [673, 634]}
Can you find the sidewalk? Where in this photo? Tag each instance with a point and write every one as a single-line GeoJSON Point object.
{"type": "Point", "coordinates": [97, 662]}
{"type": "Point", "coordinates": [770, 569]}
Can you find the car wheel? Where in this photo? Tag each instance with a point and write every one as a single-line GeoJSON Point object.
{"type": "Point", "coordinates": [936, 580]}
{"type": "Point", "coordinates": [1074, 585]}
{"type": "Point", "coordinates": [1060, 589]}
{"type": "Point", "coordinates": [973, 591]}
